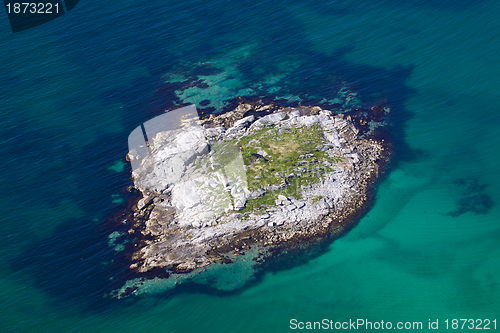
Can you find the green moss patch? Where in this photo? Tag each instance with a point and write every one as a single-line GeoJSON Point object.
{"type": "Point", "coordinates": [284, 157]}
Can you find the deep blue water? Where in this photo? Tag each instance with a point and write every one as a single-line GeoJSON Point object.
{"type": "Point", "coordinates": [73, 89]}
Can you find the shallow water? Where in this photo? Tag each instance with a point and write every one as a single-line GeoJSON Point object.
{"type": "Point", "coordinates": [74, 88]}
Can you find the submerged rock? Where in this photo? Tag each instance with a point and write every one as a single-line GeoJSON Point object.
{"type": "Point", "coordinates": [473, 198]}
{"type": "Point", "coordinates": [312, 178]}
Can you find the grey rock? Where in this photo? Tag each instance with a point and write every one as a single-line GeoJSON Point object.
{"type": "Point", "coordinates": [186, 266]}
{"type": "Point", "coordinates": [256, 194]}
{"type": "Point", "coordinates": [145, 201]}
{"type": "Point", "coordinates": [268, 120]}
{"type": "Point", "coordinates": [245, 122]}
{"type": "Point", "coordinates": [262, 153]}
{"type": "Point", "coordinates": [321, 205]}
{"type": "Point", "coordinates": [274, 187]}
{"type": "Point", "coordinates": [300, 204]}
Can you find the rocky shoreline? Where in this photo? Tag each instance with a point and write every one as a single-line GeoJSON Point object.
{"type": "Point", "coordinates": [249, 183]}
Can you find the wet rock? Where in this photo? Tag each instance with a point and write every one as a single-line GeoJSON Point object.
{"type": "Point", "coordinates": [145, 201]}
{"type": "Point", "coordinates": [185, 267]}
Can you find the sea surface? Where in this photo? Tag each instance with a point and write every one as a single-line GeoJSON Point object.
{"type": "Point", "coordinates": [73, 89]}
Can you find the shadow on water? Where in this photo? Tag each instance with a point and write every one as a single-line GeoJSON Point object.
{"type": "Point", "coordinates": [74, 264]}
{"type": "Point", "coordinates": [76, 267]}
{"type": "Point", "coordinates": [69, 266]}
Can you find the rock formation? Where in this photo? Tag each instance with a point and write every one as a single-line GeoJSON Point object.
{"type": "Point", "coordinates": [260, 176]}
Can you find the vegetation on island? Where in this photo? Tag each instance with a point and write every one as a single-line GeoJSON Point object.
{"type": "Point", "coordinates": [289, 158]}
{"type": "Point", "coordinates": [275, 159]}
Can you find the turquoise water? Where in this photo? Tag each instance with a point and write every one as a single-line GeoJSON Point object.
{"type": "Point", "coordinates": [74, 88]}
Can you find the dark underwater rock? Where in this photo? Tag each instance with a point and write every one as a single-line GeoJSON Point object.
{"type": "Point", "coordinates": [473, 198]}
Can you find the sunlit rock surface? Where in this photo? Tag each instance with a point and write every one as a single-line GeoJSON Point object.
{"type": "Point", "coordinates": [247, 181]}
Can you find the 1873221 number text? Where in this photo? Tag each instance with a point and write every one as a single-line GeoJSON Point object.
{"type": "Point", "coordinates": [471, 324]}
{"type": "Point", "coordinates": [32, 8]}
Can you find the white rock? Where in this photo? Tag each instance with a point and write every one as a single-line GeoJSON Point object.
{"type": "Point", "coordinates": [234, 131]}
{"type": "Point", "coordinates": [262, 153]}
{"type": "Point", "coordinates": [214, 132]}
{"type": "Point", "coordinates": [273, 118]}
{"type": "Point", "coordinates": [321, 205]}
{"type": "Point", "coordinates": [354, 157]}
{"type": "Point", "coordinates": [270, 119]}
{"type": "Point", "coordinates": [239, 201]}
{"type": "Point", "coordinates": [308, 120]}
{"type": "Point", "coordinates": [244, 121]}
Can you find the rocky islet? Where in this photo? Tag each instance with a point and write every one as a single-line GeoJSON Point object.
{"type": "Point", "coordinates": [255, 179]}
